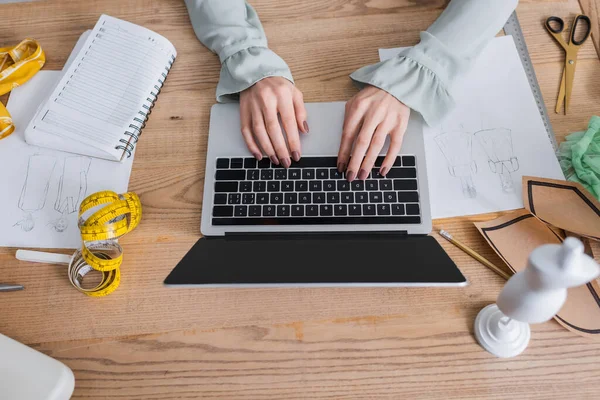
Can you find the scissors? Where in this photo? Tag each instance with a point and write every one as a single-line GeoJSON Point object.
{"type": "Point", "coordinates": [571, 50]}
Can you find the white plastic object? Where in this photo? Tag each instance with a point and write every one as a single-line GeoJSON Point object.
{"type": "Point", "coordinates": [533, 295]}
{"type": "Point", "coordinates": [43, 257]}
{"type": "Point", "coordinates": [27, 374]}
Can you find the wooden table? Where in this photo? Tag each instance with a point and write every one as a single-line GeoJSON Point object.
{"type": "Point", "coordinates": [148, 342]}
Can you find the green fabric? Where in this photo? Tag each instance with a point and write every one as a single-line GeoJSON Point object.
{"type": "Point", "coordinates": [579, 157]}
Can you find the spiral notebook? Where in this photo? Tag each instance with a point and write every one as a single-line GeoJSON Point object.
{"type": "Point", "coordinates": [103, 100]}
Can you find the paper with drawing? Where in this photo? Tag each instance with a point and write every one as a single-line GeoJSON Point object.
{"type": "Point", "coordinates": [42, 188]}
{"type": "Point", "coordinates": [494, 136]}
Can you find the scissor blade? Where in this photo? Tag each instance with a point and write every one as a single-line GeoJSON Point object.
{"type": "Point", "coordinates": [569, 78]}
{"type": "Point", "coordinates": [561, 94]}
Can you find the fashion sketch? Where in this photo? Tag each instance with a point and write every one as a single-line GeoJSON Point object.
{"type": "Point", "coordinates": [456, 146]}
{"type": "Point", "coordinates": [35, 188]}
{"type": "Point", "coordinates": [497, 144]}
{"type": "Point", "coordinates": [72, 188]}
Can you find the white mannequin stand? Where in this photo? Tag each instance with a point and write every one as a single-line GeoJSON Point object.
{"type": "Point", "coordinates": [533, 295]}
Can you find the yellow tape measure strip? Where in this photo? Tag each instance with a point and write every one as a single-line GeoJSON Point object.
{"type": "Point", "coordinates": [18, 64]}
{"type": "Point", "coordinates": [119, 215]}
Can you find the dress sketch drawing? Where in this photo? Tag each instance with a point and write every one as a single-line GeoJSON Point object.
{"type": "Point", "coordinates": [502, 161]}
{"type": "Point", "coordinates": [72, 188]}
{"type": "Point", "coordinates": [456, 146]}
{"type": "Point", "coordinates": [35, 188]}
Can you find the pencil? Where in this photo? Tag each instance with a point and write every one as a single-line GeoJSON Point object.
{"type": "Point", "coordinates": [473, 254]}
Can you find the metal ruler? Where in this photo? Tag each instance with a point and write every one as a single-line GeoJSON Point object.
{"type": "Point", "coordinates": [513, 28]}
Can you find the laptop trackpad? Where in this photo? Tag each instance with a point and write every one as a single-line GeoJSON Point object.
{"type": "Point", "coordinates": [317, 260]}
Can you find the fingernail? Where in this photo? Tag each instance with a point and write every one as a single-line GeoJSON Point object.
{"type": "Point", "coordinates": [274, 160]}
{"type": "Point", "coordinates": [362, 174]}
{"type": "Point", "coordinates": [341, 167]}
{"type": "Point", "coordinates": [383, 171]}
{"type": "Point", "coordinates": [257, 156]}
{"type": "Point", "coordinates": [286, 162]}
{"type": "Point", "coordinates": [350, 176]}
{"type": "Point", "coordinates": [295, 156]}
{"type": "Point", "coordinates": [305, 124]}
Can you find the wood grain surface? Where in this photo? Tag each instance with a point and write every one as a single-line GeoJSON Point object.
{"type": "Point", "coordinates": [149, 342]}
{"type": "Point", "coordinates": [591, 8]}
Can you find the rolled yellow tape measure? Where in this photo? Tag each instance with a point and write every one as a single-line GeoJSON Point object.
{"type": "Point", "coordinates": [104, 217]}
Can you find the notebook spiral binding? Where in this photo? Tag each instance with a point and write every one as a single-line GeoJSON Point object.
{"type": "Point", "coordinates": [139, 122]}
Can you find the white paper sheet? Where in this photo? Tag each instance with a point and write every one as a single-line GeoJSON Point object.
{"type": "Point", "coordinates": [495, 135]}
{"type": "Point", "coordinates": [41, 189]}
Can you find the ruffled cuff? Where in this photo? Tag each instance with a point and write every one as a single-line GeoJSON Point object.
{"type": "Point", "coordinates": [246, 67]}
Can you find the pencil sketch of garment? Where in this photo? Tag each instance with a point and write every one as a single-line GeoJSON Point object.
{"type": "Point", "coordinates": [502, 161]}
{"type": "Point", "coordinates": [35, 188]}
{"type": "Point", "coordinates": [72, 189]}
{"type": "Point", "coordinates": [456, 147]}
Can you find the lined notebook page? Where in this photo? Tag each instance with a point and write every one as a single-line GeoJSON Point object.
{"type": "Point", "coordinates": [108, 89]}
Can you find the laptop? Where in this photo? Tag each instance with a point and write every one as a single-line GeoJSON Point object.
{"type": "Point", "coordinates": [264, 225]}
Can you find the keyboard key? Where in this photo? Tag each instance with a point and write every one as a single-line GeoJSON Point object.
{"type": "Point", "coordinates": [319, 197]}
{"type": "Point", "coordinates": [268, 211]}
{"type": "Point", "coordinates": [343, 186]}
{"type": "Point", "coordinates": [402, 173]}
{"type": "Point", "coordinates": [398, 162]}
{"type": "Point", "coordinates": [301, 186]}
{"type": "Point", "coordinates": [408, 161]}
{"type": "Point", "coordinates": [315, 186]}
{"type": "Point", "coordinates": [264, 163]}
{"type": "Point", "coordinates": [326, 209]}
{"type": "Point", "coordinates": [389, 197]}
{"type": "Point", "coordinates": [237, 162]}
{"type": "Point", "coordinates": [262, 198]}
{"type": "Point", "coordinates": [294, 174]}
{"type": "Point", "coordinates": [361, 197]}
{"type": "Point", "coordinates": [254, 211]}
{"type": "Point", "coordinates": [314, 220]}
{"type": "Point", "coordinates": [253, 174]}
{"type": "Point", "coordinates": [312, 210]}
{"type": "Point", "coordinates": [329, 186]}
{"type": "Point", "coordinates": [379, 161]}
{"type": "Point", "coordinates": [308, 173]}
{"type": "Point", "coordinates": [368, 209]}
{"type": "Point", "coordinates": [375, 174]}
{"type": "Point", "coordinates": [333, 197]}
{"type": "Point", "coordinates": [340, 210]}
{"type": "Point", "coordinates": [375, 197]}
{"type": "Point", "coordinates": [322, 174]}
{"type": "Point", "coordinates": [298, 211]}
{"type": "Point", "coordinates": [260, 186]}
{"type": "Point", "coordinates": [385, 184]}
{"type": "Point", "coordinates": [287, 186]}
{"type": "Point", "coordinates": [266, 174]}
{"type": "Point", "coordinates": [405, 184]}
{"type": "Point", "coordinates": [315, 162]}
{"type": "Point", "coordinates": [305, 198]}
{"type": "Point", "coordinates": [347, 197]}
{"type": "Point", "coordinates": [280, 174]}
{"type": "Point", "coordinates": [220, 198]}
{"type": "Point", "coordinates": [245, 186]}
{"type": "Point", "coordinates": [241, 211]}
{"type": "Point", "coordinates": [283, 211]}
{"type": "Point", "coordinates": [273, 186]}
{"type": "Point", "coordinates": [248, 198]}
{"type": "Point", "coordinates": [412, 209]}
{"type": "Point", "coordinates": [371, 185]}
{"type": "Point", "coordinates": [335, 174]}
{"type": "Point", "coordinates": [357, 185]}
{"type": "Point", "coordinates": [276, 198]}
{"type": "Point", "coordinates": [234, 198]}
{"type": "Point", "coordinates": [223, 211]}
{"type": "Point", "coordinates": [230, 175]}
{"type": "Point", "coordinates": [383, 209]}
{"type": "Point", "coordinates": [354, 209]}
{"type": "Point", "coordinates": [249, 163]}
{"type": "Point", "coordinates": [408, 197]}
{"type": "Point", "coordinates": [222, 163]}
{"type": "Point", "coordinates": [398, 209]}
{"type": "Point", "coordinates": [290, 198]}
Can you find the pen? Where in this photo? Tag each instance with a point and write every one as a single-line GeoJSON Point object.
{"type": "Point", "coordinates": [10, 288]}
{"type": "Point", "coordinates": [473, 254]}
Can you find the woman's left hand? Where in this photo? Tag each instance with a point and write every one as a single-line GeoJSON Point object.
{"type": "Point", "coordinates": [371, 115]}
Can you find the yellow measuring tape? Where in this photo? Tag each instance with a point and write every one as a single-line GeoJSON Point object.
{"type": "Point", "coordinates": [17, 65]}
{"type": "Point", "coordinates": [104, 217]}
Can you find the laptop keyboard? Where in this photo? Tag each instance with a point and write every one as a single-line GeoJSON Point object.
{"type": "Point", "coordinates": [313, 192]}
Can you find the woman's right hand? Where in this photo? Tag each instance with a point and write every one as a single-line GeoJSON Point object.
{"type": "Point", "coordinates": [261, 105]}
